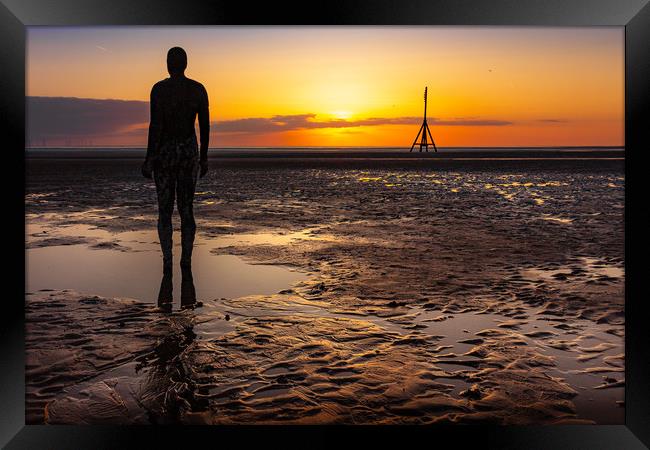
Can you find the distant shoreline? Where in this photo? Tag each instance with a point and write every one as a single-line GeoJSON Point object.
{"type": "Point", "coordinates": [343, 148]}
{"type": "Point", "coordinates": [331, 154]}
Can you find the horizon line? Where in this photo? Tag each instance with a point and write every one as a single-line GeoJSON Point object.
{"type": "Point", "coordinates": [126, 147]}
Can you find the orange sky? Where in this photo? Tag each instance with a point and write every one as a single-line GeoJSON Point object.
{"type": "Point", "coordinates": [489, 86]}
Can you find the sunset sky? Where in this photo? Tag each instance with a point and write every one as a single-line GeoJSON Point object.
{"type": "Point", "coordinates": [335, 86]}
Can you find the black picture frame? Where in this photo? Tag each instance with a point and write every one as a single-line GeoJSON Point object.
{"type": "Point", "coordinates": [634, 15]}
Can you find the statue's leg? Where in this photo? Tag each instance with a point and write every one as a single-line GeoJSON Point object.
{"type": "Point", "coordinates": [187, 176]}
{"type": "Point", "coordinates": [165, 179]}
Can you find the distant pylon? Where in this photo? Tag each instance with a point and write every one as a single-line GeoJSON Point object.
{"type": "Point", "coordinates": [424, 130]}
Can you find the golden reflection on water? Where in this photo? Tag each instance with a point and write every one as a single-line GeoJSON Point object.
{"type": "Point", "coordinates": [88, 259]}
{"type": "Point", "coordinates": [562, 220]}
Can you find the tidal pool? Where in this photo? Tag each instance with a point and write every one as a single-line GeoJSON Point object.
{"type": "Point", "coordinates": [129, 264]}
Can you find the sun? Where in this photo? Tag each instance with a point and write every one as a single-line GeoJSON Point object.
{"type": "Point", "coordinates": [342, 114]}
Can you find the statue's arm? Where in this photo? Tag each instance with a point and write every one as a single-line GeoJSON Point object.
{"type": "Point", "coordinates": [204, 124]}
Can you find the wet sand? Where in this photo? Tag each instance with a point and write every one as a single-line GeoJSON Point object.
{"type": "Point", "coordinates": [332, 290]}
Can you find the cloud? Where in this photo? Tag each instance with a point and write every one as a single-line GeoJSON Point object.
{"type": "Point", "coordinates": [472, 122]}
{"type": "Point", "coordinates": [552, 120]}
{"type": "Point", "coordinates": [307, 121]}
{"type": "Point", "coordinates": [70, 117]}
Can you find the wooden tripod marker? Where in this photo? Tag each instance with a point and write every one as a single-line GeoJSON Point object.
{"type": "Point", "coordinates": [424, 130]}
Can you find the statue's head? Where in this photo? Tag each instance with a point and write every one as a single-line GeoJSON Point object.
{"type": "Point", "coordinates": [176, 61]}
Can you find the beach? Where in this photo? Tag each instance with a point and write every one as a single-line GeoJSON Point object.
{"type": "Point", "coordinates": [352, 286]}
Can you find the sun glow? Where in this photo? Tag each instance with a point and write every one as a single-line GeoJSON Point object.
{"type": "Point", "coordinates": [344, 115]}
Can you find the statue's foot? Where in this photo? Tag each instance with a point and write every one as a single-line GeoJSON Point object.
{"type": "Point", "coordinates": [165, 307]}
{"type": "Point", "coordinates": [165, 295]}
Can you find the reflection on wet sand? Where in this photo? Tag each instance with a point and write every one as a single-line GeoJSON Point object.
{"type": "Point", "coordinates": [153, 385]}
{"type": "Point", "coordinates": [166, 388]}
{"type": "Point", "coordinates": [188, 291]}
{"type": "Point", "coordinates": [286, 359]}
{"type": "Point", "coordinates": [419, 296]}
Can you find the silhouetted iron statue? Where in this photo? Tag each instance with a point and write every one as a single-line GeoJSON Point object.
{"type": "Point", "coordinates": [173, 156]}
{"type": "Point", "coordinates": [424, 130]}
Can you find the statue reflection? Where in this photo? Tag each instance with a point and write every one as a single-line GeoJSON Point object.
{"type": "Point", "coordinates": [188, 291]}
{"type": "Point", "coordinates": [165, 297]}
{"type": "Point", "coordinates": [168, 391]}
